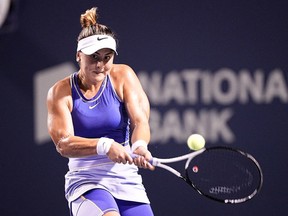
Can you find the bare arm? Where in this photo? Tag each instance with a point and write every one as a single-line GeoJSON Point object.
{"type": "Point", "coordinates": [59, 122]}
{"type": "Point", "coordinates": [60, 127]}
{"type": "Point", "coordinates": [138, 108]}
{"type": "Point", "coordinates": [130, 90]}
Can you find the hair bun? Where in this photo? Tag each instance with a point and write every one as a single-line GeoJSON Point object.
{"type": "Point", "coordinates": [89, 18]}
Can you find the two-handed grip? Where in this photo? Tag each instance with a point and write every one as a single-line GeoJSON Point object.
{"type": "Point", "coordinates": [152, 161]}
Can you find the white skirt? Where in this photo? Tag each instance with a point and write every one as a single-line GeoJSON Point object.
{"type": "Point", "coordinates": [121, 180]}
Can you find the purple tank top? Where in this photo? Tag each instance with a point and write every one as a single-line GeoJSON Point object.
{"type": "Point", "coordinates": [104, 115]}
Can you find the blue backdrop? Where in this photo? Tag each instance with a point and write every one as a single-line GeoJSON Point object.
{"type": "Point", "coordinates": [218, 68]}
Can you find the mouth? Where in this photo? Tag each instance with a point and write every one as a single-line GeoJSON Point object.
{"type": "Point", "coordinates": [98, 72]}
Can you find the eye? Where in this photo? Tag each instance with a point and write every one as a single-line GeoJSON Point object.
{"type": "Point", "coordinates": [95, 57]}
{"type": "Point", "coordinates": [107, 58]}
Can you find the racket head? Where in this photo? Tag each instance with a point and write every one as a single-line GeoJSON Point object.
{"type": "Point", "coordinates": [225, 174]}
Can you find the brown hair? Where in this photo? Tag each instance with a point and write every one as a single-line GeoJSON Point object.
{"type": "Point", "coordinates": [88, 21]}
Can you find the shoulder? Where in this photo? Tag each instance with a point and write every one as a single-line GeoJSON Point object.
{"type": "Point", "coordinates": [121, 70]}
{"type": "Point", "coordinates": [122, 73]}
{"type": "Point", "coordinates": [60, 86]}
{"type": "Point", "coordinates": [123, 77]}
{"type": "Point", "coordinates": [61, 90]}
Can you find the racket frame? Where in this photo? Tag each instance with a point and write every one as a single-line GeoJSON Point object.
{"type": "Point", "coordinates": [161, 162]}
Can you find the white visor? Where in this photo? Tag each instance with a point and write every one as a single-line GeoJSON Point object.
{"type": "Point", "coordinates": [92, 44]}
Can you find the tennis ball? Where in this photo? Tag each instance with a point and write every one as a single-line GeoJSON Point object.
{"type": "Point", "coordinates": [195, 142]}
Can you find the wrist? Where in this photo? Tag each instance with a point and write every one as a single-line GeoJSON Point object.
{"type": "Point", "coordinates": [103, 145]}
{"type": "Point", "coordinates": [139, 143]}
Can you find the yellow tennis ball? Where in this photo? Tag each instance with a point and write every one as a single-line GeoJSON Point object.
{"type": "Point", "coordinates": [196, 142]}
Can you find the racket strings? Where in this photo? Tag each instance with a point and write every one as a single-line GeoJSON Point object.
{"type": "Point", "coordinates": [223, 174]}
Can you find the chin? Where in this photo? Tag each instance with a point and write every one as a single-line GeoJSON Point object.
{"type": "Point", "coordinates": [99, 76]}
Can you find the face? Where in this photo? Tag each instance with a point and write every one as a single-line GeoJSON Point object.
{"type": "Point", "coordinates": [95, 67]}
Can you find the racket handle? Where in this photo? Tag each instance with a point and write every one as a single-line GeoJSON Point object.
{"type": "Point", "coordinates": [135, 156]}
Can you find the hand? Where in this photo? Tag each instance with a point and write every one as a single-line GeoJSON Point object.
{"type": "Point", "coordinates": [142, 161]}
{"type": "Point", "coordinates": [117, 153]}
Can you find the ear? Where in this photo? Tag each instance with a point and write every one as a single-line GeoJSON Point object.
{"type": "Point", "coordinates": [78, 57]}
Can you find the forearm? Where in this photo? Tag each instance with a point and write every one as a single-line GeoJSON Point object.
{"type": "Point", "coordinates": [74, 146]}
{"type": "Point", "coordinates": [141, 131]}
{"type": "Point", "coordinates": [140, 139]}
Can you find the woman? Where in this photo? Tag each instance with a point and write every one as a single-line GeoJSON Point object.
{"type": "Point", "coordinates": [90, 114]}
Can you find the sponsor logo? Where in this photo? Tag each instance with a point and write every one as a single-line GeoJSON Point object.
{"type": "Point", "coordinates": [93, 106]}
{"type": "Point", "coordinates": [99, 39]}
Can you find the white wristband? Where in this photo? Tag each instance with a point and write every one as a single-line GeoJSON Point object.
{"type": "Point", "coordinates": [137, 144]}
{"type": "Point", "coordinates": [103, 145]}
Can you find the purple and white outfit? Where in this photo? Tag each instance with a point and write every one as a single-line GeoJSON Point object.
{"type": "Point", "coordinates": [104, 115]}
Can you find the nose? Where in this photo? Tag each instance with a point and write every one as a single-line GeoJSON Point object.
{"type": "Point", "coordinates": [99, 64]}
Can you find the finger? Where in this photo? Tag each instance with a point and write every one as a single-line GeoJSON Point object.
{"type": "Point", "coordinates": [129, 159]}
{"type": "Point", "coordinates": [147, 165]}
{"type": "Point", "coordinates": [119, 160]}
{"type": "Point", "coordinates": [138, 161]}
{"type": "Point", "coordinates": [141, 162]}
{"type": "Point", "coordinates": [148, 156]}
{"type": "Point", "coordinates": [150, 167]}
{"type": "Point", "coordinates": [124, 161]}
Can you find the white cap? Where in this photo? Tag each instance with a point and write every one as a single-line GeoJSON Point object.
{"type": "Point", "coordinates": [92, 44]}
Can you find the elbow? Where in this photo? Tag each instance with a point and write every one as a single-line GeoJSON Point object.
{"type": "Point", "coordinates": [63, 152]}
{"type": "Point", "coordinates": [62, 146]}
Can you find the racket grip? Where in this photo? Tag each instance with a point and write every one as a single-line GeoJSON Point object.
{"type": "Point", "coordinates": [135, 156]}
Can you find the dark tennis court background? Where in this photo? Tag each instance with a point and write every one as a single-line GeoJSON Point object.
{"type": "Point", "coordinates": [225, 40]}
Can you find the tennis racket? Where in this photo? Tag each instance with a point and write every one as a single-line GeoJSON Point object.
{"type": "Point", "coordinates": [223, 174]}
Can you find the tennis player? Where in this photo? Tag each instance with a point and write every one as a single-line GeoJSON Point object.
{"type": "Point", "coordinates": [90, 115]}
